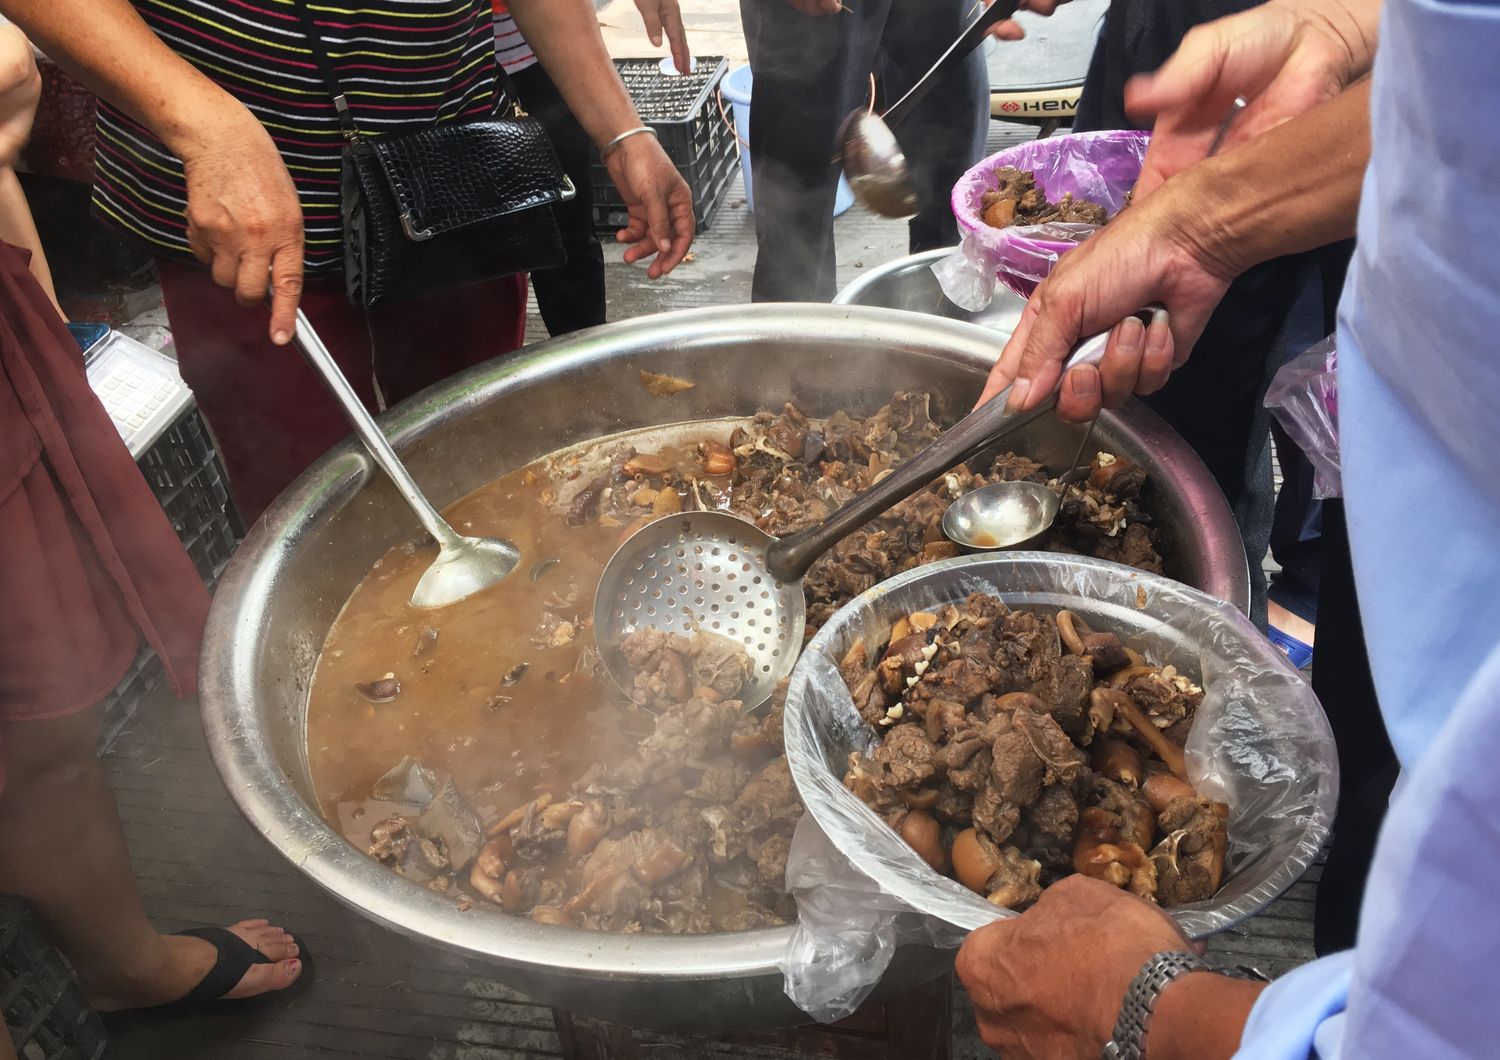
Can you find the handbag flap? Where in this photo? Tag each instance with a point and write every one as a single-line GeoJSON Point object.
{"type": "Point", "coordinates": [451, 176]}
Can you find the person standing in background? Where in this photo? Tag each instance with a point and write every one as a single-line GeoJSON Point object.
{"type": "Point", "coordinates": [812, 61]}
{"type": "Point", "coordinates": [89, 568]}
{"type": "Point", "coordinates": [219, 139]}
{"type": "Point", "coordinates": [571, 297]}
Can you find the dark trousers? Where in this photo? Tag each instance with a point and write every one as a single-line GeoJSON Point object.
{"type": "Point", "coordinates": [571, 297]}
{"type": "Point", "coordinates": [812, 71]}
{"type": "Point", "coordinates": [1367, 763]}
{"type": "Point", "coordinates": [270, 414]}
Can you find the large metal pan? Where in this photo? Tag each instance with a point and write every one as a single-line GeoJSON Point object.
{"type": "Point", "coordinates": [292, 574]}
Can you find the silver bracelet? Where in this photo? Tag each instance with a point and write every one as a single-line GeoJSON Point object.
{"type": "Point", "coordinates": [604, 152]}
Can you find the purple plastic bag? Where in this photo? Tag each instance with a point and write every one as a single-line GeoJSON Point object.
{"type": "Point", "coordinates": [1101, 167]}
{"type": "Point", "coordinates": [1304, 398]}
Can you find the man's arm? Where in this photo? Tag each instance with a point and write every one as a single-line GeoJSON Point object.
{"type": "Point", "coordinates": [1294, 188]}
{"type": "Point", "coordinates": [565, 36]}
{"type": "Point", "coordinates": [243, 215]}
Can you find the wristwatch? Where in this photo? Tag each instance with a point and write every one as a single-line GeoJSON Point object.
{"type": "Point", "coordinates": [1144, 990]}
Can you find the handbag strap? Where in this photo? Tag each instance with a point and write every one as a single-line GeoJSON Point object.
{"type": "Point", "coordinates": [326, 70]}
{"type": "Point", "coordinates": [341, 102]}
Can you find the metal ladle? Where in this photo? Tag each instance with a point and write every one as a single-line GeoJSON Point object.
{"type": "Point", "coordinates": [874, 163]}
{"type": "Point", "coordinates": [1007, 514]}
{"type": "Point", "coordinates": [464, 565]}
{"type": "Point", "coordinates": [713, 572]}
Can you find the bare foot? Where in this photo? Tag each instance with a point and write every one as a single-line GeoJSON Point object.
{"type": "Point", "coordinates": [179, 963]}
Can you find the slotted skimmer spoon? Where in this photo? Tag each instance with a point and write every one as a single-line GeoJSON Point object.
{"type": "Point", "coordinates": [464, 565]}
{"type": "Point", "coordinates": [714, 572]}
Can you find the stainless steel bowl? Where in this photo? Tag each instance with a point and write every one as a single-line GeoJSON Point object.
{"type": "Point", "coordinates": [292, 574]}
{"type": "Point", "coordinates": [908, 283]}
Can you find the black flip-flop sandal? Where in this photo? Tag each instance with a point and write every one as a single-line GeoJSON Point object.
{"type": "Point", "coordinates": [235, 958]}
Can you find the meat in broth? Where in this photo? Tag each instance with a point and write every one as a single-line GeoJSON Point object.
{"type": "Point", "coordinates": [431, 735]}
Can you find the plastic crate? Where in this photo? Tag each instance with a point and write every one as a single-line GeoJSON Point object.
{"type": "Point", "coordinates": [160, 424]}
{"type": "Point", "coordinates": [684, 111]}
{"type": "Point", "coordinates": [45, 1010]}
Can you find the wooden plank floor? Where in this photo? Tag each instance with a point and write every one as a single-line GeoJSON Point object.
{"type": "Point", "coordinates": [378, 994]}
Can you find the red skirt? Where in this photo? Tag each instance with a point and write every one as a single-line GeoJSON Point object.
{"type": "Point", "coordinates": [89, 564]}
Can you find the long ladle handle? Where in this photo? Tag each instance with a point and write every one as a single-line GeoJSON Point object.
{"type": "Point", "coordinates": [970, 39]}
{"type": "Point", "coordinates": [789, 558]}
{"type": "Point", "coordinates": [321, 361]}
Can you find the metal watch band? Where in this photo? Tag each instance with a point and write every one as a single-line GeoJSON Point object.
{"type": "Point", "coordinates": [1141, 997]}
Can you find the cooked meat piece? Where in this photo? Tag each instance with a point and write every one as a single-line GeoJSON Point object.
{"type": "Point", "coordinates": [1063, 761]}
{"type": "Point", "coordinates": [994, 816]}
{"type": "Point", "coordinates": [1012, 467]}
{"type": "Point", "coordinates": [390, 839]}
{"type": "Point", "coordinates": [1064, 689]}
{"type": "Point", "coordinates": [1105, 652]}
{"type": "Point", "coordinates": [1116, 475]}
{"type": "Point", "coordinates": [1017, 882]}
{"type": "Point", "coordinates": [1133, 548]}
{"type": "Point", "coordinates": [770, 859]}
{"type": "Point", "coordinates": [907, 756]}
{"type": "Point", "coordinates": [1017, 200]}
{"type": "Point", "coordinates": [1016, 769]}
{"type": "Point", "coordinates": [720, 664]}
{"type": "Point", "coordinates": [769, 801]}
{"type": "Point", "coordinates": [1189, 861]}
{"type": "Point", "coordinates": [986, 742]}
{"type": "Point", "coordinates": [1164, 694]}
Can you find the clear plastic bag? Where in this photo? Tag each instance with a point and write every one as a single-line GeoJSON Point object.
{"type": "Point", "coordinates": [1304, 398]}
{"type": "Point", "coordinates": [1101, 167]}
{"type": "Point", "coordinates": [1260, 743]}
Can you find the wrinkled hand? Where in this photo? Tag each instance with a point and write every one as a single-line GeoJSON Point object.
{"type": "Point", "coordinates": [1010, 29]}
{"type": "Point", "coordinates": [1283, 57]}
{"type": "Point", "coordinates": [658, 200]}
{"type": "Point", "coordinates": [816, 7]}
{"type": "Point", "coordinates": [665, 16]}
{"type": "Point", "coordinates": [1049, 983]}
{"type": "Point", "coordinates": [20, 88]}
{"type": "Point", "coordinates": [244, 219]}
{"type": "Point", "coordinates": [1143, 256]}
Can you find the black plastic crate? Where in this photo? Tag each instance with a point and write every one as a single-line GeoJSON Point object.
{"type": "Point", "coordinates": [184, 472]}
{"type": "Point", "coordinates": [685, 112]}
{"type": "Point", "coordinates": [45, 1011]}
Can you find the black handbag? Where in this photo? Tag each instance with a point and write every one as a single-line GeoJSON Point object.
{"type": "Point", "coordinates": [445, 206]}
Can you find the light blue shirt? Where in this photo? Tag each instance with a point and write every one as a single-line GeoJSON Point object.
{"type": "Point", "coordinates": [1419, 401]}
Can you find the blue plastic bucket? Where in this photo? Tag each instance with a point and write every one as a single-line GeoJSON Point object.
{"type": "Point", "coordinates": [736, 87]}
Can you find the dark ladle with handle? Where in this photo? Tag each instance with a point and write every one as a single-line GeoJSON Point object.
{"type": "Point", "coordinates": [874, 163]}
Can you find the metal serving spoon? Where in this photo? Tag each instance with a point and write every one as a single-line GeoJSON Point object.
{"type": "Point", "coordinates": [713, 572]}
{"type": "Point", "coordinates": [873, 161]}
{"type": "Point", "coordinates": [464, 565]}
{"type": "Point", "coordinates": [1007, 514]}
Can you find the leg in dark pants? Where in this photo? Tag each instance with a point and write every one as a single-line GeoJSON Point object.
{"type": "Point", "coordinates": [571, 297]}
{"type": "Point", "coordinates": [809, 73]}
{"type": "Point", "coordinates": [1367, 764]}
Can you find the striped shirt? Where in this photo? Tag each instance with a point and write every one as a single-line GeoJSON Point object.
{"type": "Point", "coordinates": [403, 64]}
{"type": "Point", "coordinates": [515, 54]}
